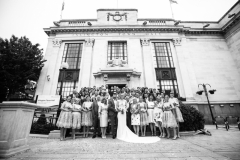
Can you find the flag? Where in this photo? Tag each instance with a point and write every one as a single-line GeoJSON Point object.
{"type": "Point", "coordinates": [63, 6]}
{"type": "Point", "coordinates": [173, 1]}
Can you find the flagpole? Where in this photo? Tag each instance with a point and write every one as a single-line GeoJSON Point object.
{"type": "Point", "coordinates": [62, 10]}
{"type": "Point", "coordinates": [171, 9]}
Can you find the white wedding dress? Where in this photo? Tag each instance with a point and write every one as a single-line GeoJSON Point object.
{"type": "Point", "coordinates": [125, 134]}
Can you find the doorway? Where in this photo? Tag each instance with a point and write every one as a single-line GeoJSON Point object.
{"type": "Point", "coordinates": [118, 85]}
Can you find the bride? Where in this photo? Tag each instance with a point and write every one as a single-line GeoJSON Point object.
{"type": "Point", "coordinates": [123, 132]}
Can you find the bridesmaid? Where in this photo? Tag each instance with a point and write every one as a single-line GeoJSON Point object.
{"type": "Point", "coordinates": [159, 114]}
{"type": "Point", "coordinates": [65, 118]}
{"type": "Point", "coordinates": [135, 116]}
{"type": "Point", "coordinates": [86, 116]}
{"type": "Point", "coordinates": [143, 115]}
{"type": "Point", "coordinates": [169, 120]}
{"type": "Point", "coordinates": [151, 121]}
{"type": "Point", "coordinates": [103, 116]}
{"type": "Point", "coordinates": [76, 116]}
{"type": "Point", "coordinates": [177, 113]}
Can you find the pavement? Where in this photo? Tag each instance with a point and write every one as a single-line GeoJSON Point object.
{"type": "Point", "coordinates": [222, 145]}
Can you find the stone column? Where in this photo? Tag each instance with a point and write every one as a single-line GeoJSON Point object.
{"type": "Point", "coordinates": [147, 63]}
{"type": "Point", "coordinates": [86, 70]}
{"type": "Point", "coordinates": [183, 71]}
{"type": "Point", "coordinates": [15, 124]}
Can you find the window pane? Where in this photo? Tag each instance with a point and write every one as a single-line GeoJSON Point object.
{"type": "Point", "coordinates": [117, 50]}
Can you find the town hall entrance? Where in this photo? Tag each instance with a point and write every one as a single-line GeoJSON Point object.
{"type": "Point", "coordinates": [118, 85]}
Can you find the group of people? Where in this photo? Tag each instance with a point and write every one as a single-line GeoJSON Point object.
{"type": "Point", "coordinates": [125, 109]}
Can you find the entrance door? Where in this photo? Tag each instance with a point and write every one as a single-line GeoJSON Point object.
{"type": "Point", "coordinates": [118, 85]}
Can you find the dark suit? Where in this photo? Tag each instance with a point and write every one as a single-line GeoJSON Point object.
{"type": "Point", "coordinates": [112, 114]}
{"type": "Point", "coordinates": [96, 121]}
{"type": "Point", "coordinates": [128, 116]}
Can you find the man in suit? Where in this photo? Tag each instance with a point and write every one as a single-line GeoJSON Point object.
{"type": "Point", "coordinates": [112, 113]}
{"type": "Point", "coordinates": [96, 121]}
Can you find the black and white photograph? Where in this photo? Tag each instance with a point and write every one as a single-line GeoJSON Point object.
{"type": "Point", "coordinates": [120, 80]}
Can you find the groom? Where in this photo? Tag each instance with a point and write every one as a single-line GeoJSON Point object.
{"type": "Point", "coordinates": [112, 113]}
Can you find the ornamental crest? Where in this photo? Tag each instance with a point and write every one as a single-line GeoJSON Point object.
{"type": "Point", "coordinates": [117, 16]}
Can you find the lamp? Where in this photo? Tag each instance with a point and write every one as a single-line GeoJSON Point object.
{"type": "Point", "coordinates": [89, 23]}
{"type": "Point", "coordinates": [212, 91]}
{"type": "Point", "coordinates": [176, 23]}
{"type": "Point", "coordinates": [199, 92]}
{"type": "Point", "coordinates": [64, 65]}
{"type": "Point", "coordinates": [145, 23]}
{"type": "Point", "coordinates": [231, 15]}
{"type": "Point", "coordinates": [207, 25]}
{"type": "Point", "coordinates": [231, 105]}
{"type": "Point", "coordinates": [221, 105]}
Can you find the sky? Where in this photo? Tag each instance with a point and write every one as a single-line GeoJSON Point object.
{"type": "Point", "coordinates": [29, 17]}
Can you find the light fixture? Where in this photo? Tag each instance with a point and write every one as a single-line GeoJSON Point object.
{"type": "Point", "coordinates": [212, 91]}
{"type": "Point", "coordinates": [176, 23]}
{"type": "Point", "coordinates": [89, 23]}
{"type": "Point", "coordinates": [207, 25]}
{"type": "Point", "coordinates": [212, 106]}
{"type": "Point", "coordinates": [48, 77]}
{"type": "Point", "coordinates": [145, 23]}
{"type": "Point", "coordinates": [231, 105]}
{"type": "Point", "coordinates": [231, 15]}
{"type": "Point", "coordinates": [64, 65]}
{"type": "Point", "coordinates": [199, 92]}
{"type": "Point", "coordinates": [221, 105]}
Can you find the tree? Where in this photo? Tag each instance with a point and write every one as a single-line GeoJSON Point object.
{"type": "Point", "coordinates": [20, 61]}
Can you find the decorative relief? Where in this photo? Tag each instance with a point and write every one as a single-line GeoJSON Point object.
{"type": "Point", "coordinates": [57, 42]}
{"type": "Point", "coordinates": [117, 62]}
{"type": "Point", "coordinates": [144, 42]}
{"type": "Point", "coordinates": [89, 42]}
{"type": "Point", "coordinates": [117, 16]}
{"type": "Point", "coordinates": [177, 41]}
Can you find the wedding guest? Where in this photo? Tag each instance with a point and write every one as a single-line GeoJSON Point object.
{"type": "Point", "coordinates": [169, 120]}
{"type": "Point", "coordinates": [103, 116]}
{"type": "Point", "coordinates": [86, 116]}
{"type": "Point", "coordinates": [143, 116]}
{"type": "Point", "coordinates": [112, 113]}
{"type": "Point", "coordinates": [159, 114]}
{"type": "Point", "coordinates": [76, 116]}
{"type": "Point", "coordinates": [65, 118]}
{"type": "Point", "coordinates": [177, 113]}
{"type": "Point", "coordinates": [145, 97]}
{"type": "Point", "coordinates": [128, 116]}
{"type": "Point", "coordinates": [150, 105]}
{"type": "Point", "coordinates": [135, 116]}
{"type": "Point", "coordinates": [96, 123]}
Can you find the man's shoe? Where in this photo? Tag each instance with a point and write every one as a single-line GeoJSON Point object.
{"type": "Point", "coordinates": [94, 136]}
{"type": "Point", "coordinates": [100, 135]}
{"type": "Point", "coordinates": [114, 136]}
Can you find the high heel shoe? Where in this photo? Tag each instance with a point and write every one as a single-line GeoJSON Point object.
{"type": "Point", "coordinates": [174, 138]}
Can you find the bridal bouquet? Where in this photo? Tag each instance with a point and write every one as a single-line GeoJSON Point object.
{"type": "Point", "coordinates": [121, 109]}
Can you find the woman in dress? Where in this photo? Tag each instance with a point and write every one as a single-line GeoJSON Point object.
{"type": "Point", "coordinates": [86, 116]}
{"type": "Point", "coordinates": [151, 121]}
{"type": "Point", "coordinates": [76, 116]}
{"type": "Point", "coordinates": [177, 113]}
{"type": "Point", "coordinates": [169, 120]}
{"type": "Point", "coordinates": [65, 118]}
{"type": "Point", "coordinates": [159, 114]}
{"type": "Point", "coordinates": [135, 116]}
{"type": "Point", "coordinates": [143, 115]}
{"type": "Point", "coordinates": [103, 116]}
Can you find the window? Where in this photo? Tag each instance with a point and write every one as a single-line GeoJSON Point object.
{"type": "Point", "coordinates": [164, 67]}
{"type": "Point", "coordinates": [72, 55]}
{"type": "Point", "coordinates": [66, 88]}
{"type": "Point", "coordinates": [117, 50]}
{"type": "Point", "coordinates": [68, 78]}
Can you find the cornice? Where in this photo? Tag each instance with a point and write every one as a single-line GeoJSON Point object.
{"type": "Point", "coordinates": [109, 9]}
{"type": "Point", "coordinates": [163, 29]}
{"type": "Point", "coordinates": [231, 23]}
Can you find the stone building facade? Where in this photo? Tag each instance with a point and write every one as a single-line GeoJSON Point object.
{"type": "Point", "coordinates": [118, 48]}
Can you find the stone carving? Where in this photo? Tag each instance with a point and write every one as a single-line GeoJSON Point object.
{"type": "Point", "coordinates": [57, 42]}
{"type": "Point", "coordinates": [89, 42]}
{"type": "Point", "coordinates": [144, 42]}
{"type": "Point", "coordinates": [177, 41]}
{"type": "Point", "coordinates": [117, 16]}
{"type": "Point", "coordinates": [117, 62]}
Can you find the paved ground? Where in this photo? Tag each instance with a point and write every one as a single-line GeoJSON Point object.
{"type": "Point", "coordinates": [220, 146]}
